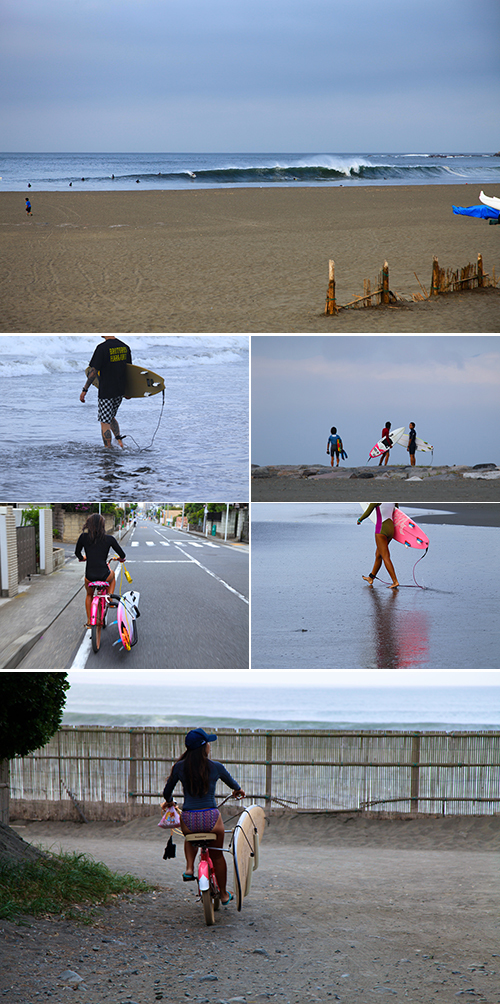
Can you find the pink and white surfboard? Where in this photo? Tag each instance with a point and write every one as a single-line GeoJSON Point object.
{"type": "Point", "coordinates": [406, 531]}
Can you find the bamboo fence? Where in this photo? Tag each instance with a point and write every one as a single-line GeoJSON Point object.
{"type": "Point", "coordinates": [118, 773]}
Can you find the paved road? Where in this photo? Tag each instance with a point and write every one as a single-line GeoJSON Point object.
{"type": "Point", "coordinates": [193, 603]}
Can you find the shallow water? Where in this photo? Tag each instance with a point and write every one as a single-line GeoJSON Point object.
{"type": "Point", "coordinates": [312, 609]}
{"type": "Point", "coordinates": [52, 445]}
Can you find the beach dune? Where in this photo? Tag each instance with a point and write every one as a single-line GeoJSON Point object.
{"type": "Point", "coordinates": [240, 260]}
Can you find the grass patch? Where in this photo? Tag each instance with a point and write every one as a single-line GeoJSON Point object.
{"type": "Point", "coordinates": [58, 882]}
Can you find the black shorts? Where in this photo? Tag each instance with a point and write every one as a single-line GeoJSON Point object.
{"type": "Point", "coordinates": [107, 408]}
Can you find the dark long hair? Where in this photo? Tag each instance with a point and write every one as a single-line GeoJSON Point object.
{"type": "Point", "coordinates": [95, 527]}
{"type": "Point", "coordinates": [196, 780]}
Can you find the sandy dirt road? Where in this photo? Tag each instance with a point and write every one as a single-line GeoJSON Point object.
{"type": "Point", "coordinates": [343, 907]}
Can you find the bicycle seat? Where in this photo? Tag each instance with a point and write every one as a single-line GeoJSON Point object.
{"type": "Point", "coordinates": [200, 837]}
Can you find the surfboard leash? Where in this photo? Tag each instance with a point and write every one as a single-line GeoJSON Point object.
{"type": "Point", "coordinates": [142, 449]}
{"type": "Point", "coordinates": [409, 585]}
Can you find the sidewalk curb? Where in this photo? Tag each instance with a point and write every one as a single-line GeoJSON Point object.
{"type": "Point", "coordinates": [17, 650]}
{"type": "Point", "coordinates": [11, 656]}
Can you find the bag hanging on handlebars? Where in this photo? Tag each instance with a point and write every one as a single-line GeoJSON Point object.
{"type": "Point", "coordinates": [170, 819]}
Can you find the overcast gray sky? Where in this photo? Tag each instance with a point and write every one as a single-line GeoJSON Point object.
{"type": "Point", "coordinates": [273, 75]}
{"type": "Point", "coordinates": [304, 384]}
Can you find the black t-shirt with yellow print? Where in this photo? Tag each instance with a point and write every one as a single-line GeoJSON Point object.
{"type": "Point", "coordinates": [110, 360]}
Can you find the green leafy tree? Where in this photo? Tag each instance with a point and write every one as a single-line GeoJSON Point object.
{"type": "Point", "coordinates": [31, 709]}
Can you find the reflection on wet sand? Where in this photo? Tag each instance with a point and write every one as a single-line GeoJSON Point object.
{"type": "Point", "coordinates": [399, 638]}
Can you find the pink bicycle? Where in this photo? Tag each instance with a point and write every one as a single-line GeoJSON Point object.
{"type": "Point", "coordinates": [208, 888]}
{"type": "Point", "coordinates": [101, 600]}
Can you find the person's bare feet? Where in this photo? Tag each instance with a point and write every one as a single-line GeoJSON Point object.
{"type": "Point", "coordinates": [369, 579]}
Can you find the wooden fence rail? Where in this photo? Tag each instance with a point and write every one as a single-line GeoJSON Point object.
{"type": "Point", "coordinates": [118, 773]}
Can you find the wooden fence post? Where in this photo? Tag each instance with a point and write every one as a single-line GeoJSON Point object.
{"type": "Point", "coordinates": [269, 766]}
{"type": "Point", "coordinates": [480, 273]}
{"type": "Point", "coordinates": [135, 755]}
{"type": "Point", "coordinates": [4, 791]}
{"type": "Point", "coordinates": [385, 283]}
{"type": "Point", "coordinates": [415, 772]}
{"type": "Point", "coordinates": [331, 306]}
{"type": "Point", "coordinates": [435, 277]}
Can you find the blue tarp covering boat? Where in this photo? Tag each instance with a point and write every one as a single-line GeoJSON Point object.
{"type": "Point", "coordinates": [483, 212]}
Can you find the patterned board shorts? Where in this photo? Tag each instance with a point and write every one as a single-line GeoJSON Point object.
{"type": "Point", "coordinates": [200, 820]}
{"type": "Point", "coordinates": [107, 408]}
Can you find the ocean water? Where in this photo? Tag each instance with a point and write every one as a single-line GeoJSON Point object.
{"type": "Point", "coordinates": [121, 171]}
{"type": "Point", "coordinates": [187, 706]}
{"type": "Point", "coordinates": [51, 443]}
{"type": "Point", "coordinates": [312, 610]}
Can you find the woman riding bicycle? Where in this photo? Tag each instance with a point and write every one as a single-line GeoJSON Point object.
{"type": "Point", "coordinates": [198, 776]}
{"type": "Point", "coordinates": [96, 543]}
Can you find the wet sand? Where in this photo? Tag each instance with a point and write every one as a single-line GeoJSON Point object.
{"type": "Point", "coordinates": [239, 260]}
{"type": "Point", "coordinates": [342, 907]}
{"type": "Point", "coordinates": [290, 485]}
{"type": "Point", "coordinates": [311, 607]}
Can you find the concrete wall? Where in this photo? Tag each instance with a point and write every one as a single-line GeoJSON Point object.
{"type": "Point", "coordinates": [9, 585]}
{"type": "Point", "coordinates": [70, 524]}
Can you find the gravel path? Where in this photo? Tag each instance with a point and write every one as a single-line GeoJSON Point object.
{"type": "Point", "coordinates": [343, 907]}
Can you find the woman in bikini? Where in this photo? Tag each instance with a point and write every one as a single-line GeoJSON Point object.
{"type": "Point", "coordinates": [198, 776]}
{"type": "Point", "coordinates": [384, 532]}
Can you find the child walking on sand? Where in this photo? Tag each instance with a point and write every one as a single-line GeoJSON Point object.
{"type": "Point", "coordinates": [28, 207]}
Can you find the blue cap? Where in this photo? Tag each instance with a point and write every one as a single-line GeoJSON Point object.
{"type": "Point", "coordinates": [197, 738]}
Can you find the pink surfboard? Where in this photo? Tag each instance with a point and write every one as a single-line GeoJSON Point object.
{"type": "Point", "coordinates": [406, 531]}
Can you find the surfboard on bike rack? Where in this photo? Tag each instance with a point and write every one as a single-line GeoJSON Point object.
{"type": "Point", "coordinates": [247, 836]}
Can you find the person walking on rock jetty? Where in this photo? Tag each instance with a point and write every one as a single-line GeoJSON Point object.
{"type": "Point", "coordinates": [334, 446]}
{"type": "Point", "coordinates": [412, 443]}
{"type": "Point", "coordinates": [384, 532]}
{"type": "Point", "coordinates": [385, 436]}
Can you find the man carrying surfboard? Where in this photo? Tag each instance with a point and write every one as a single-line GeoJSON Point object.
{"type": "Point", "coordinates": [412, 443]}
{"type": "Point", "coordinates": [109, 363]}
{"type": "Point", "coordinates": [384, 532]}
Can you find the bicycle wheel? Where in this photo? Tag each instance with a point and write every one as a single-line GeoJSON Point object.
{"type": "Point", "coordinates": [208, 907]}
{"type": "Point", "coordinates": [96, 629]}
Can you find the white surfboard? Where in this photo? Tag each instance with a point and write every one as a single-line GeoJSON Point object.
{"type": "Point", "coordinates": [489, 200]}
{"type": "Point", "coordinates": [421, 444]}
{"type": "Point", "coordinates": [381, 448]}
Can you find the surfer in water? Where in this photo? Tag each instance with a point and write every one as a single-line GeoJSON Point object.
{"type": "Point", "coordinates": [412, 443]}
{"type": "Point", "coordinates": [96, 543]}
{"type": "Point", "coordinates": [385, 436]}
{"type": "Point", "coordinates": [198, 776]}
{"type": "Point", "coordinates": [109, 363]}
{"type": "Point", "coordinates": [384, 532]}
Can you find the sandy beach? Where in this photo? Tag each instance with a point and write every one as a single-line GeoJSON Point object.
{"type": "Point", "coordinates": [316, 484]}
{"type": "Point", "coordinates": [343, 907]}
{"type": "Point", "coordinates": [240, 260]}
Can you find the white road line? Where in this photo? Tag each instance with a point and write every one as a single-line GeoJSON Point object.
{"type": "Point", "coordinates": [150, 543]}
{"type": "Point", "coordinates": [209, 544]}
{"type": "Point", "coordinates": [80, 660]}
{"type": "Point", "coordinates": [214, 576]}
{"type": "Point", "coordinates": [135, 543]}
{"type": "Point", "coordinates": [166, 543]}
